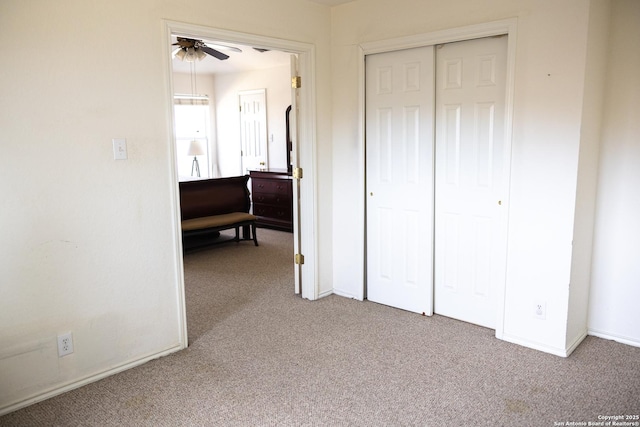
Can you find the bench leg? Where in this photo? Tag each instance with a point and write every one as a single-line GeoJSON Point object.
{"type": "Point", "coordinates": [253, 230]}
{"type": "Point", "coordinates": [237, 239]}
{"type": "Point", "coordinates": [246, 232]}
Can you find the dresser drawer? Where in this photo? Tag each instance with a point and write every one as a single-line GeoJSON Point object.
{"type": "Point", "coordinates": [282, 213]}
{"type": "Point", "coordinates": [272, 186]}
{"type": "Point", "coordinates": [272, 199]}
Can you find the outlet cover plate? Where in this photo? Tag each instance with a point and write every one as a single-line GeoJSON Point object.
{"type": "Point", "coordinates": [65, 344]}
{"type": "Point", "coordinates": [540, 310]}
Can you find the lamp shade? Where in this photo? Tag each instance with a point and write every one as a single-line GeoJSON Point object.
{"type": "Point", "coordinates": [195, 149]}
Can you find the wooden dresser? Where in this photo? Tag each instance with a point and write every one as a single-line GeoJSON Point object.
{"type": "Point", "coordinates": [272, 196]}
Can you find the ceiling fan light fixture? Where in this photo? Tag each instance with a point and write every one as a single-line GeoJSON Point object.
{"type": "Point", "coordinates": [190, 55]}
{"type": "Point", "coordinates": [191, 50]}
{"type": "Point", "coordinates": [180, 54]}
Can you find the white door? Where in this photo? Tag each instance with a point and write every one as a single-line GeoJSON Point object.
{"type": "Point", "coordinates": [253, 130]}
{"type": "Point", "coordinates": [295, 162]}
{"type": "Point", "coordinates": [399, 178]}
{"type": "Point", "coordinates": [469, 232]}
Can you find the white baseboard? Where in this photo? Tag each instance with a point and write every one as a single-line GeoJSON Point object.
{"type": "Point", "coordinates": [325, 293]}
{"type": "Point", "coordinates": [614, 337]}
{"type": "Point", "coordinates": [576, 342]}
{"type": "Point", "coordinates": [346, 294]}
{"type": "Point", "coordinates": [47, 394]}
{"type": "Point", "coordinates": [562, 352]}
{"type": "Point", "coordinates": [566, 352]}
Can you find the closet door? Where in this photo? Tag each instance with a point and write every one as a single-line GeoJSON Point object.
{"type": "Point", "coordinates": [470, 240]}
{"type": "Point", "coordinates": [399, 178]}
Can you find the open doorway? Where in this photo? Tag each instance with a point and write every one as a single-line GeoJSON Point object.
{"type": "Point", "coordinates": [302, 154]}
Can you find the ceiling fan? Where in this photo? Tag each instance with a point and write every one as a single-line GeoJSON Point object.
{"type": "Point", "coordinates": [191, 50]}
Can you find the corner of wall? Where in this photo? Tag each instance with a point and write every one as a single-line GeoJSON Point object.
{"type": "Point", "coordinates": [587, 180]}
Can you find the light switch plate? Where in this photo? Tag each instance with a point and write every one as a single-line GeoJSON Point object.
{"type": "Point", "coordinates": [119, 149]}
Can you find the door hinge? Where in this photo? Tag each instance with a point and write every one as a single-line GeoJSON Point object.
{"type": "Point", "coordinates": [296, 82]}
{"type": "Point", "coordinates": [299, 259]}
{"type": "Point", "coordinates": [297, 173]}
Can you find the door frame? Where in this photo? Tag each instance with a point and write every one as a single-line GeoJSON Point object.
{"type": "Point", "coordinates": [306, 147]}
{"type": "Point", "coordinates": [495, 28]}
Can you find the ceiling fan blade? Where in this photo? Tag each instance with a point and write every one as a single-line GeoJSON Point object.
{"type": "Point", "coordinates": [261, 50]}
{"type": "Point", "coordinates": [221, 56]}
{"type": "Point", "coordinates": [217, 46]}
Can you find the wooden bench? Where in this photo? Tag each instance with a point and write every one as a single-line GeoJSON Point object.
{"type": "Point", "coordinates": [208, 206]}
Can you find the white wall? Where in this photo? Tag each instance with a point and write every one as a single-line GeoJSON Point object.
{"type": "Point", "coordinates": [549, 85]}
{"type": "Point", "coordinates": [277, 82]}
{"type": "Point", "coordinates": [89, 244]}
{"type": "Point", "coordinates": [615, 288]}
{"type": "Point", "coordinates": [593, 104]}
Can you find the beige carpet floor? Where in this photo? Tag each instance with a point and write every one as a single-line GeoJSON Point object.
{"type": "Point", "coordinates": [261, 356]}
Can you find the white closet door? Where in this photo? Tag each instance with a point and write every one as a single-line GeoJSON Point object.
{"type": "Point", "coordinates": [399, 177]}
{"type": "Point", "coordinates": [469, 242]}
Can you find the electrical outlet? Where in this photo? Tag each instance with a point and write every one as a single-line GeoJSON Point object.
{"type": "Point", "coordinates": [540, 310]}
{"type": "Point", "coordinates": [65, 344]}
